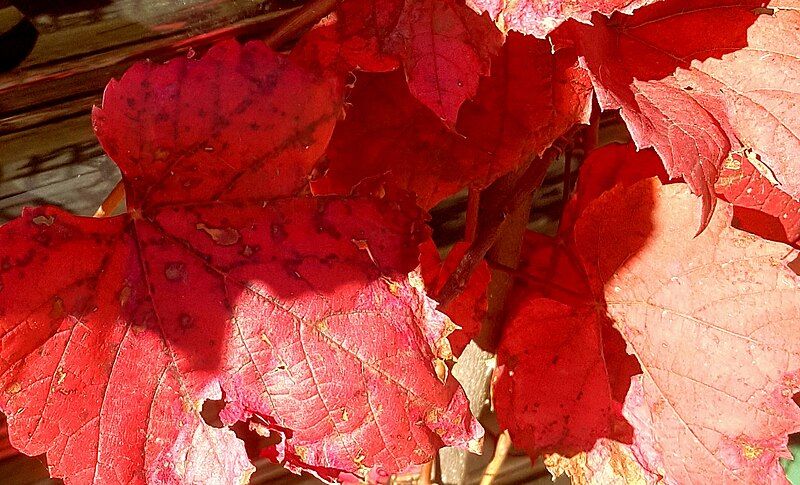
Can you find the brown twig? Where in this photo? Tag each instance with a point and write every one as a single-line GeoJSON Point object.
{"type": "Point", "coordinates": [112, 201]}
{"type": "Point", "coordinates": [305, 17]}
{"type": "Point", "coordinates": [592, 132]}
{"type": "Point", "coordinates": [425, 474]}
{"type": "Point", "coordinates": [310, 14]}
{"type": "Point", "coordinates": [500, 453]}
{"type": "Point", "coordinates": [508, 194]}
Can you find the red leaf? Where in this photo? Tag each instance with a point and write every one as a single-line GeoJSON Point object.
{"type": "Point", "coordinates": [531, 100]}
{"type": "Point", "coordinates": [443, 46]}
{"type": "Point", "coordinates": [222, 282]}
{"type": "Point", "coordinates": [712, 321]}
{"type": "Point", "coordinates": [576, 363]}
{"type": "Point", "coordinates": [539, 18]}
{"type": "Point", "coordinates": [469, 308]}
{"type": "Point", "coordinates": [695, 97]}
{"type": "Point", "coordinates": [761, 207]}
{"type": "Point", "coordinates": [605, 168]}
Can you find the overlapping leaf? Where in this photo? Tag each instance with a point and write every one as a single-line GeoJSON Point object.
{"type": "Point", "coordinates": [531, 99]}
{"type": "Point", "coordinates": [724, 295]}
{"type": "Point", "coordinates": [442, 45]}
{"type": "Point", "coordinates": [539, 18]}
{"type": "Point", "coordinates": [694, 98]}
{"type": "Point", "coordinates": [761, 207]}
{"type": "Point", "coordinates": [222, 282]}
{"type": "Point", "coordinates": [711, 320]}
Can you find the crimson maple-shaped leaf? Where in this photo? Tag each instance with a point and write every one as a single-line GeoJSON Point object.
{"type": "Point", "coordinates": [222, 282]}
{"type": "Point", "coordinates": [711, 320]}
{"type": "Point", "coordinates": [539, 18]}
{"type": "Point", "coordinates": [530, 100]}
{"type": "Point", "coordinates": [442, 45]}
{"type": "Point", "coordinates": [696, 97]}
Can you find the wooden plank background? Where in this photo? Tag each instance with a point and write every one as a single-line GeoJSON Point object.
{"type": "Point", "coordinates": [49, 155]}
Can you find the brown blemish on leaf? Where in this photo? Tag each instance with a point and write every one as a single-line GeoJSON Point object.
{"type": "Point", "coordinates": [751, 452]}
{"type": "Point", "coordinates": [223, 236]}
{"type": "Point", "coordinates": [57, 311]}
{"type": "Point", "coordinates": [175, 271]}
{"type": "Point", "coordinates": [345, 416]}
{"type": "Point", "coordinates": [14, 388]}
{"type": "Point", "coordinates": [394, 287]}
{"type": "Point", "coordinates": [44, 220]}
{"type": "Point", "coordinates": [124, 295]}
{"type": "Point", "coordinates": [732, 163]}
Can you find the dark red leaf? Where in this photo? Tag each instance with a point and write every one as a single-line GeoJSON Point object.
{"type": "Point", "coordinates": [443, 47]}
{"type": "Point", "coordinates": [532, 99]}
{"type": "Point", "coordinates": [222, 282]}
{"type": "Point", "coordinates": [575, 362]}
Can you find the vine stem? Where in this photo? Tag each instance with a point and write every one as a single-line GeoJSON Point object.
{"type": "Point", "coordinates": [308, 15]}
{"type": "Point", "coordinates": [500, 453]}
{"type": "Point", "coordinates": [112, 201]}
{"type": "Point", "coordinates": [506, 196]}
{"type": "Point", "coordinates": [473, 203]}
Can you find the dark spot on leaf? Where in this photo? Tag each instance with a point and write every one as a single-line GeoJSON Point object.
{"type": "Point", "coordinates": [175, 271]}
{"type": "Point", "coordinates": [278, 233]}
{"type": "Point", "coordinates": [186, 321]}
{"type": "Point", "coordinates": [210, 412]}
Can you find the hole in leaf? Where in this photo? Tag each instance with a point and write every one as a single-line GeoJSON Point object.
{"type": "Point", "coordinates": [210, 412]}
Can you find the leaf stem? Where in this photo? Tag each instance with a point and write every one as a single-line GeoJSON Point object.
{"type": "Point", "coordinates": [500, 453]}
{"type": "Point", "coordinates": [505, 196]}
{"type": "Point", "coordinates": [471, 226]}
{"type": "Point", "coordinates": [310, 14]}
{"type": "Point", "coordinates": [112, 201]}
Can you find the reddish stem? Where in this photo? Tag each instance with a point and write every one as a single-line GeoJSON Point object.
{"type": "Point", "coordinates": [112, 201]}
{"type": "Point", "coordinates": [473, 202]}
{"type": "Point", "coordinates": [310, 14]}
{"type": "Point", "coordinates": [507, 194]}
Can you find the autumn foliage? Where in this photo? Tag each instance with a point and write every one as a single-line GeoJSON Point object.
{"type": "Point", "coordinates": [275, 254]}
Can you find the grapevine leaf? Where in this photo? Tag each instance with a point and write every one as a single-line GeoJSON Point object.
{"type": "Point", "coordinates": [531, 99]}
{"type": "Point", "coordinates": [539, 18]}
{"type": "Point", "coordinates": [761, 207]}
{"type": "Point", "coordinates": [578, 365]}
{"type": "Point", "coordinates": [222, 282]}
{"type": "Point", "coordinates": [442, 45]}
{"type": "Point", "coordinates": [609, 462]}
{"type": "Point", "coordinates": [725, 297]}
{"type": "Point", "coordinates": [697, 99]}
